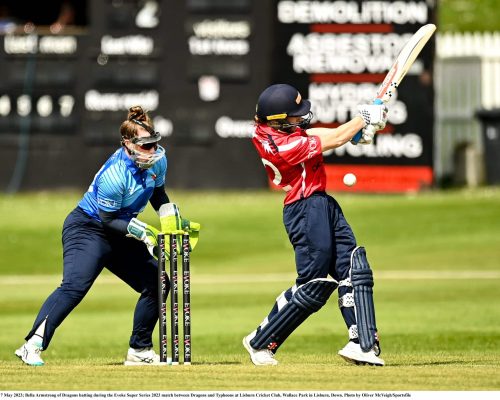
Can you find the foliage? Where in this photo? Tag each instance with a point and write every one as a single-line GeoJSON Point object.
{"type": "Point", "coordinates": [468, 16]}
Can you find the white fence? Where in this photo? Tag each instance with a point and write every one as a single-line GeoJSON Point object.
{"type": "Point", "coordinates": [467, 79]}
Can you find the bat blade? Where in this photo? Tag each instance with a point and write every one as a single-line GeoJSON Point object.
{"type": "Point", "coordinates": [401, 66]}
{"type": "Point", "coordinates": [404, 61]}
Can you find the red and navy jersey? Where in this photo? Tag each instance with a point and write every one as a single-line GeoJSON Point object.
{"type": "Point", "coordinates": [293, 162]}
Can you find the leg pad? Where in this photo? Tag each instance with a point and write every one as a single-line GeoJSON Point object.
{"type": "Point", "coordinates": [362, 282]}
{"type": "Point", "coordinates": [307, 299]}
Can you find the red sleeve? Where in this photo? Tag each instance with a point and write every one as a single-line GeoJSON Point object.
{"type": "Point", "coordinates": [295, 149]}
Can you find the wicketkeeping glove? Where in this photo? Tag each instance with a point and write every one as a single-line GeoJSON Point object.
{"type": "Point", "coordinates": [193, 228]}
{"type": "Point", "coordinates": [170, 218]}
{"type": "Point", "coordinates": [146, 233]}
{"type": "Point", "coordinates": [172, 223]}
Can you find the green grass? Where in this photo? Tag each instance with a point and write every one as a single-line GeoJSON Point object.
{"type": "Point", "coordinates": [436, 259]}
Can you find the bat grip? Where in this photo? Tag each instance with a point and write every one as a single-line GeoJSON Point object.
{"type": "Point", "coordinates": [357, 137]}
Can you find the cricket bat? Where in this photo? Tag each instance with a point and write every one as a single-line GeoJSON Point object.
{"type": "Point", "coordinates": [401, 66]}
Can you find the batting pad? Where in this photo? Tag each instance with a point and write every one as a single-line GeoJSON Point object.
{"type": "Point", "coordinates": [307, 299]}
{"type": "Point", "coordinates": [362, 282]}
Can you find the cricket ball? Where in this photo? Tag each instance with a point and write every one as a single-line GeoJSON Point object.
{"type": "Point", "coordinates": [349, 179]}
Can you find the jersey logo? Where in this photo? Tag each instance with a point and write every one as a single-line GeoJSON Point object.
{"type": "Point", "coordinates": [313, 147]}
{"type": "Point", "coordinates": [107, 203]}
{"type": "Point", "coordinates": [266, 145]}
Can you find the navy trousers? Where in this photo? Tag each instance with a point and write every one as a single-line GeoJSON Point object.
{"type": "Point", "coordinates": [323, 242]}
{"type": "Point", "coordinates": [87, 249]}
{"type": "Point", "coordinates": [321, 237]}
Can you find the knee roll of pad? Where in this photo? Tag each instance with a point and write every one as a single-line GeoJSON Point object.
{"type": "Point", "coordinates": [308, 299]}
{"type": "Point", "coordinates": [314, 294]}
{"type": "Point", "coordinates": [362, 282]}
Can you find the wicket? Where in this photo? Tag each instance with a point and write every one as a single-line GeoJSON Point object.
{"type": "Point", "coordinates": [174, 301]}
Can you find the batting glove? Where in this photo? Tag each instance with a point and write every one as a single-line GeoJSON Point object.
{"type": "Point", "coordinates": [146, 233]}
{"type": "Point", "coordinates": [368, 134]}
{"type": "Point", "coordinates": [373, 114]}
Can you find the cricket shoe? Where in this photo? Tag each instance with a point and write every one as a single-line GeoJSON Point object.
{"type": "Point", "coordinates": [30, 354]}
{"type": "Point", "coordinates": [353, 353]}
{"type": "Point", "coordinates": [259, 357]}
{"type": "Point", "coordinates": [145, 356]}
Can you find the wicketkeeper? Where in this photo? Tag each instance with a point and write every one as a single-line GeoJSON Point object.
{"type": "Point", "coordinates": [101, 231]}
{"type": "Point", "coordinates": [326, 253]}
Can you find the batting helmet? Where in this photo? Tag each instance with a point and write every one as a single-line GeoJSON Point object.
{"type": "Point", "coordinates": [280, 101]}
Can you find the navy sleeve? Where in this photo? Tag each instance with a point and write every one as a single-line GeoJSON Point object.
{"type": "Point", "coordinates": [112, 223]}
{"type": "Point", "coordinates": [159, 197]}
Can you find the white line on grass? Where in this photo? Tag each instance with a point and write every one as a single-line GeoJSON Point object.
{"type": "Point", "coordinates": [262, 278]}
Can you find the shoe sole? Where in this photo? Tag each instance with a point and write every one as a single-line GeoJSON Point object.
{"type": "Point", "coordinates": [140, 364]}
{"type": "Point", "coordinates": [359, 362]}
{"type": "Point", "coordinates": [249, 348]}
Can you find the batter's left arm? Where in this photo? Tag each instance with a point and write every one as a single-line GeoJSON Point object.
{"type": "Point", "coordinates": [336, 137]}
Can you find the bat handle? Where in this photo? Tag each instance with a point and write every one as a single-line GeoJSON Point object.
{"type": "Point", "coordinates": [357, 137]}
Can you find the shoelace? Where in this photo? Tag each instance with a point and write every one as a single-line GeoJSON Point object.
{"type": "Point", "coordinates": [37, 350]}
{"type": "Point", "coordinates": [148, 359]}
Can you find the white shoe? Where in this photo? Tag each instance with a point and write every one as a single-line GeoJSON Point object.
{"type": "Point", "coordinates": [353, 353]}
{"type": "Point", "coordinates": [259, 357]}
{"type": "Point", "coordinates": [30, 354]}
{"type": "Point", "coordinates": [146, 356]}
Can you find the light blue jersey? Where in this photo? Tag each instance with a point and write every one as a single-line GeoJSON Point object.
{"type": "Point", "coordinates": [120, 186]}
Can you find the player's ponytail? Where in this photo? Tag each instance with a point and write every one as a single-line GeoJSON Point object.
{"type": "Point", "coordinates": [137, 113]}
{"type": "Point", "coordinates": [128, 128]}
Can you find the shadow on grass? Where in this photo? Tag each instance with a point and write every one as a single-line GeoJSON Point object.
{"type": "Point", "coordinates": [432, 363]}
{"type": "Point", "coordinates": [180, 365]}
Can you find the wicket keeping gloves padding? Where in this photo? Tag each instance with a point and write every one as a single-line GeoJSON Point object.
{"type": "Point", "coordinates": [193, 228]}
{"type": "Point", "coordinates": [172, 222]}
{"type": "Point", "coordinates": [170, 218]}
{"type": "Point", "coordinates": [146, 233]}
{"type": "Point", "coordinates": [193, 235]}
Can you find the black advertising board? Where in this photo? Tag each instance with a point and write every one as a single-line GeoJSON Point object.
{"type": "Point", "coordinates": [337, 53]}
{"type": "Point", "coordinates": [195, 65]}
{"type": "Point", "coordinates": [39, 80]}
{"type": "Point", "coordinates": [198, 66]}
{"type": "Point", "coordinates": [215, 65]}
{"type": "Point", "coordinates": [123, 60]}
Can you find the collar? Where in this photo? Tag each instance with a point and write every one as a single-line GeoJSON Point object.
{"type": "Point", "coordinates": [266, 129]}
